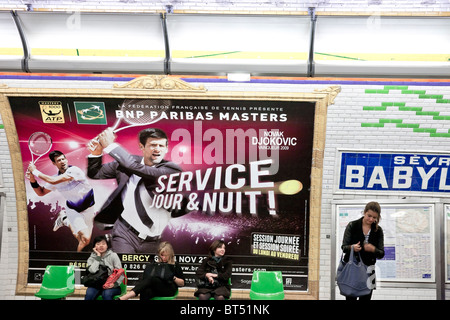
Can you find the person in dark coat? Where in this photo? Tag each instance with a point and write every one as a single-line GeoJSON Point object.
{"type": "Point", "coordinates": [155, 284]}
{"type": "Point", "coordinates": [214, 274]}
{"type": "Point", "coordinates": [367, 238]}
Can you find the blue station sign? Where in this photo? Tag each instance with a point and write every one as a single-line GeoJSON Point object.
{"type": "Point", "coordinates": [394, 172]}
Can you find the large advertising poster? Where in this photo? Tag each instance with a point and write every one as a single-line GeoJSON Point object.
{"type": "Point", "coordinates": [236, 170]}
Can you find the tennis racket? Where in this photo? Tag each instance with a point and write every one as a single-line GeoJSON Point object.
{"type": "Point", "coordinates": [39, 144]}
{"type": "Point", "coordinates": [133, 116]}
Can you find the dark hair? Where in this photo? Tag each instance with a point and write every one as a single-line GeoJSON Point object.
{"type": "Point", "coordinates": [101, 238]}
{"type": "Point", "coordinates": [375, 207]}
{"type": "Point", "coordinates": [55, 154]}
{"type": "Point", "coordinates": [152, 133]}
{"type": "Point", "coordinates": [216, 244]}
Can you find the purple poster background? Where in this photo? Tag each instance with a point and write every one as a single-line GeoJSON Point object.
{"type": "Point", "coordinates": [255, 145]}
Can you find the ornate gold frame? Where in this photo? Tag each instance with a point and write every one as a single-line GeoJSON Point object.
{"type": "Point", "coordinates": [170, 87]}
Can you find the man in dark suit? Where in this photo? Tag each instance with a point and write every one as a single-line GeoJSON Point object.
{"type": "Point", "coordinates": [137, 227]}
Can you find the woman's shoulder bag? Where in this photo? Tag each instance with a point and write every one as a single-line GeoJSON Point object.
{"type": "Point", "coordinates": [96, 279]}
{"type": "Point", "coordinates": [352, 278]}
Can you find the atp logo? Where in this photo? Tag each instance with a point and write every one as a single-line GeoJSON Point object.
{"type": "Point", "coordinates": [52, 111]}
{"type": "Point", "coordinates": [90, 112]}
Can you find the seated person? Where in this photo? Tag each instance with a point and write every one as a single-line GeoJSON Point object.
{"type": "Point", "coordinates": [214, 274]}
{"type": "Point", "coordinates": [161, 279]}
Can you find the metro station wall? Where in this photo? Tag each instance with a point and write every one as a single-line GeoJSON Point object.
{"type": "Point", "coordinates": [367, 115]}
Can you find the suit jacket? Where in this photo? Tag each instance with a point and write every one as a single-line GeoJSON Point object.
{"type": "Point", "coordinates": [121, 169]}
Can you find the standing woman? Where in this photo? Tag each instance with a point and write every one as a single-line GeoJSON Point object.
{"type": "Point", "coordinates": [367, 238]}
{"type": "Point", "coordinates": [102, 255]}
{"type": "Point", "coordinates": [156, 283]}
{"type": "Point", "coordinates": [215, 271]}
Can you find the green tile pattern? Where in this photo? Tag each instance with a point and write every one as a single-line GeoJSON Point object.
{"type": "Point", "coordinates": [402, 106]}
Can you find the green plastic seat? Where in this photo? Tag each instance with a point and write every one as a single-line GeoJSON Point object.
{"type": "Point", "coordinates": [123, 287]}
{"type": "Point", "coordinates": [166, 298]}
{"type": "Point", "coordinates": [58, 282]}
{"type": "Point", "coordinates": [267, 285]}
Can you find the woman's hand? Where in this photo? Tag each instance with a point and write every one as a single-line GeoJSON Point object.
{"type": "Point", "coordinates": [178, 281]}
{"type": "Point", "coordinates": [96, 252]}
{"type": "Point", "coordinates": [211, 276]}
{"type": "Point", "coordinates": [369, 247]}
{"type": "Point", "coordinates": [357, 247]}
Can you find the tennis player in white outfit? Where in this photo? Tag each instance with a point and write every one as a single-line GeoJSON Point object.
{"type": "Point", "coordinates": [72, 183]}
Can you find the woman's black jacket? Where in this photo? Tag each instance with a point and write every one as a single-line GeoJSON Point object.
{"type": "Point", "coordinates": [354, 234]}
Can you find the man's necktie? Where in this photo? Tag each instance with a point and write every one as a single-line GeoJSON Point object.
{"type": "Point", "coordinates": [140, 207]}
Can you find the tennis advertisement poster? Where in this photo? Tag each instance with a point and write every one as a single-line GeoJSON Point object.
{"type": "Point", "coordinates": [233, 170]}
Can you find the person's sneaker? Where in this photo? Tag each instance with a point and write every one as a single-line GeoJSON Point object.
{"type": "Point", "coordinates": [61, 221]}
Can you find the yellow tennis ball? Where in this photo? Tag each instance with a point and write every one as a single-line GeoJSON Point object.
{"type": "Point", "coordinates": [290, 187]}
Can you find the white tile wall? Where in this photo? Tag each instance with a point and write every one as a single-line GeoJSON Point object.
{"type": "Point", "coordinates": [343, 131]}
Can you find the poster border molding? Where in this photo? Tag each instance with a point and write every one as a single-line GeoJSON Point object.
{"type": "Point", "coordinates": [172, 87]}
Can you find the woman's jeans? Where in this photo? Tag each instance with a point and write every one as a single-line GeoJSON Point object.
{"type": "Point", "coordinates": [107, 294]}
